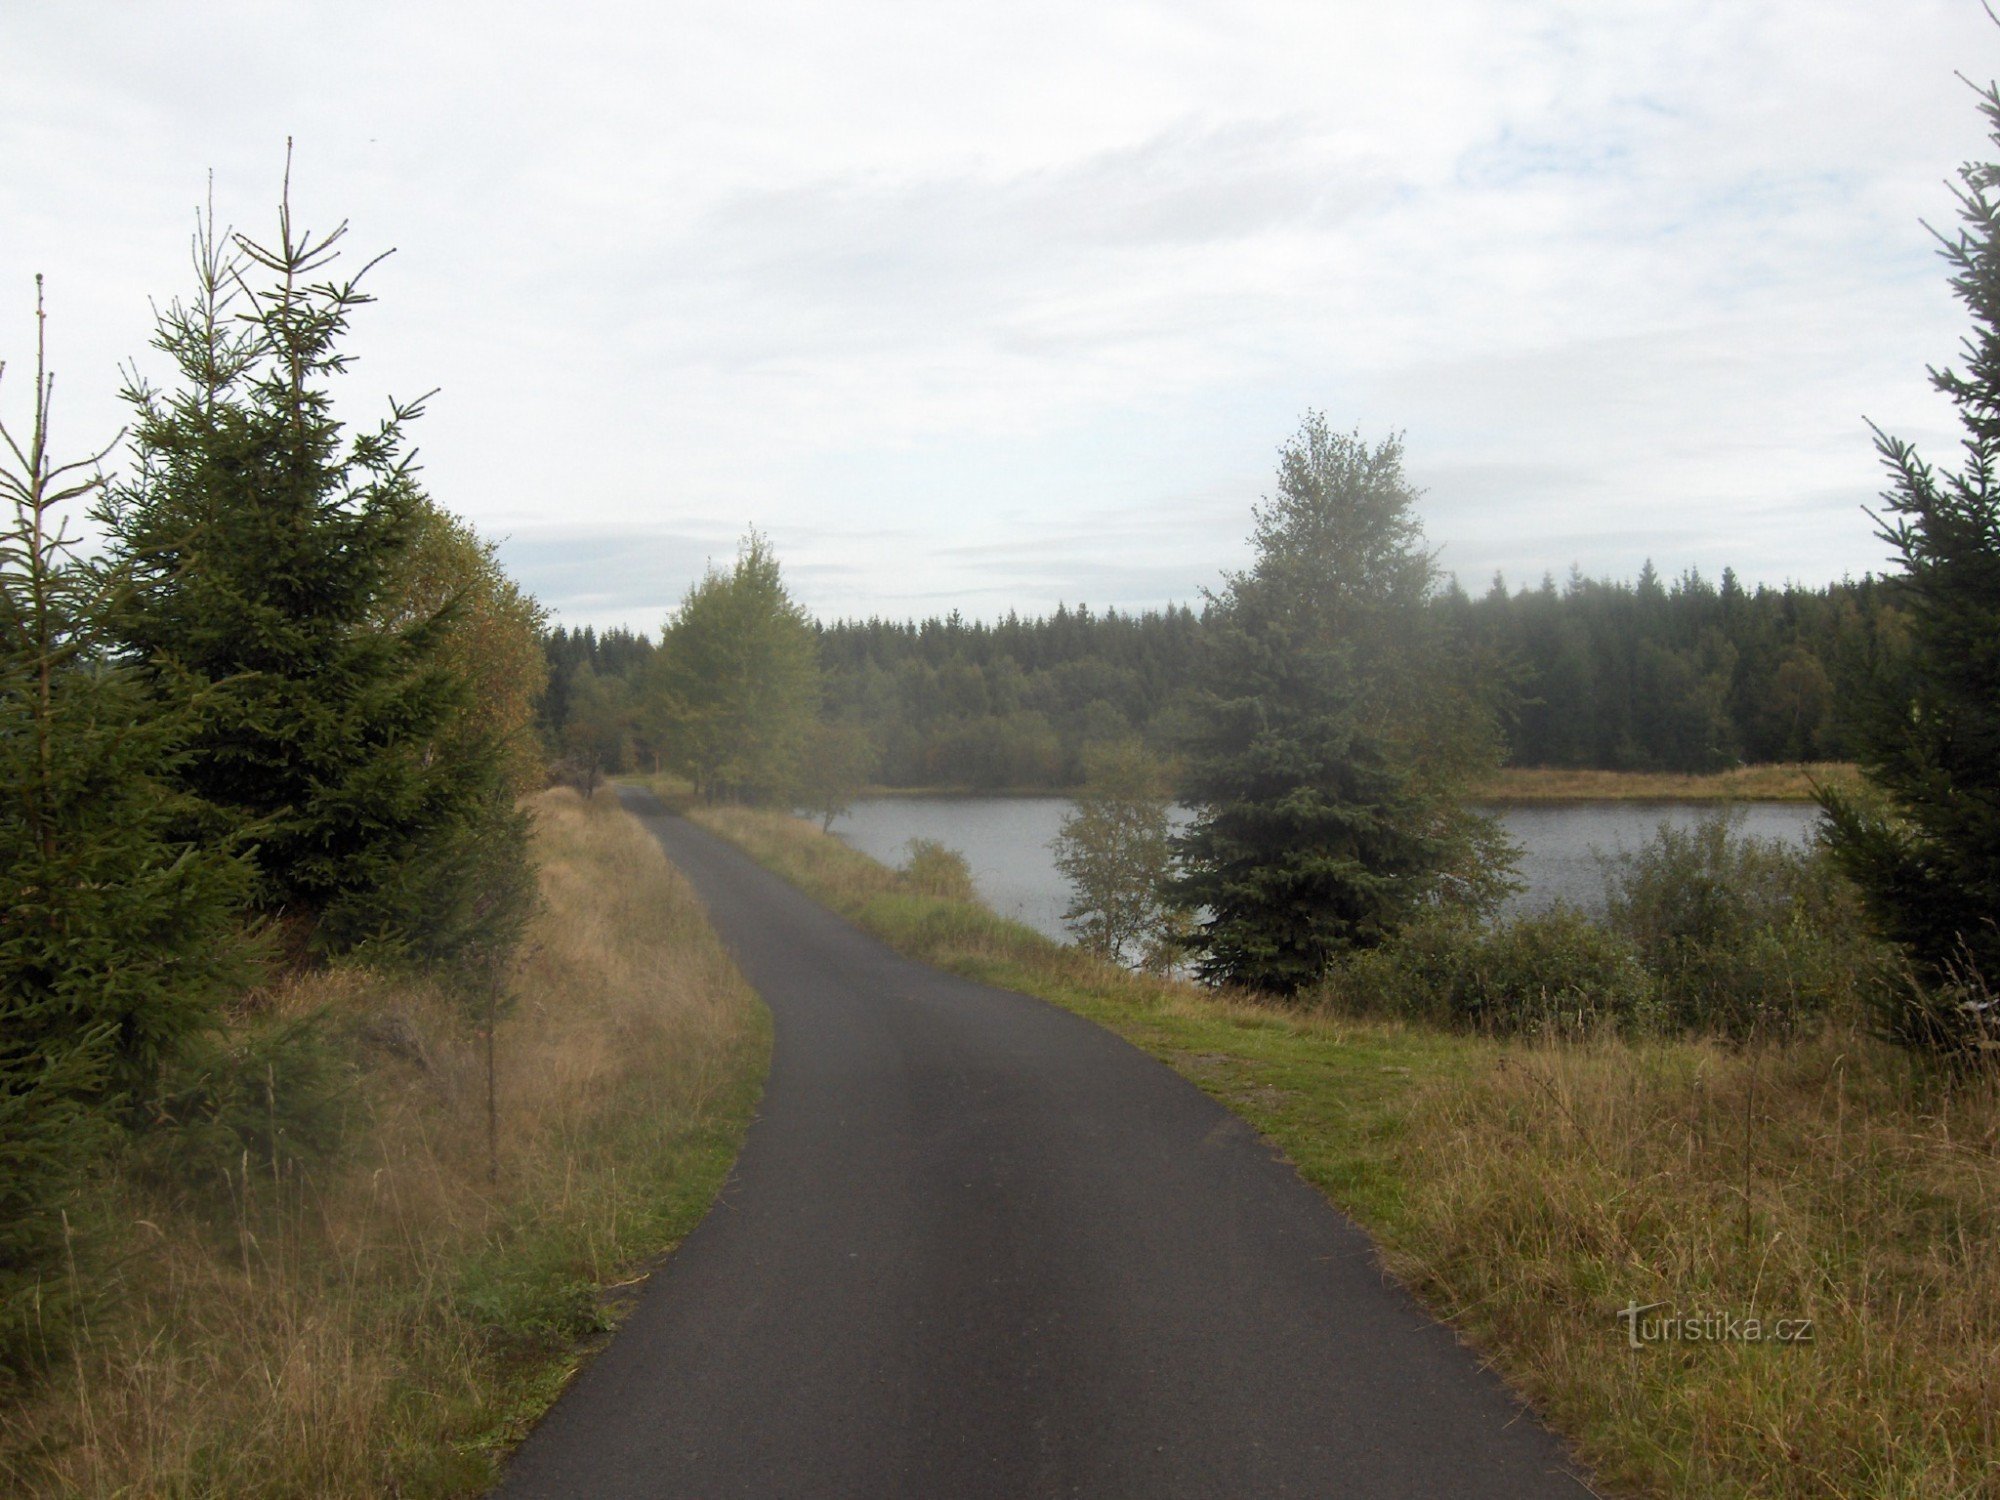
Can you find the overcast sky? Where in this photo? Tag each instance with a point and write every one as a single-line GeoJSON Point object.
{"type": "Point", "coordinates": [995, 305]}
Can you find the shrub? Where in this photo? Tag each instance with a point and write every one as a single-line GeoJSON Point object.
{"type": "Point", "coordinates": [270, 1094]}
{"type": "Point", "coordinates": [1743, 935]}
{"type": "Point", "coordinates": [1555, 971]}
{"type": "Point", "coordinates": [934, 870]}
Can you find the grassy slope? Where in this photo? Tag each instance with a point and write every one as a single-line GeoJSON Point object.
{"type": "Point", "coordinates": [1527, 1191]}
{"type": "Point", "coordinates": [388, 1323]}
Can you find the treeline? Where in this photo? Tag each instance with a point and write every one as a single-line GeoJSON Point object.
{"type": "Point", "coordinates": [281, 720]}
{"type": "Point", "coordinates": [1688, 675]}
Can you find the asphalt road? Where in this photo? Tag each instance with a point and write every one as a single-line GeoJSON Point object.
{"type": "Point", "coordinates": [976, 1246]}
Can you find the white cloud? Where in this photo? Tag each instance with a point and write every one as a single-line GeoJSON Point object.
{"type": "Point", "coordinates": [915, 287]}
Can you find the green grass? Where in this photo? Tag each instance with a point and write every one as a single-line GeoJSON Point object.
{"type": "Point", "coordinates": [1527, 1190]}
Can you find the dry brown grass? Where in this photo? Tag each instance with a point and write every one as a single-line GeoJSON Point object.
{"type": "Point", "coordinates": [1769, 783]}
{"type": "Point", "coordinates": [384, 1323]}
{"type": "Point", "coordinates": [1824, 1179]}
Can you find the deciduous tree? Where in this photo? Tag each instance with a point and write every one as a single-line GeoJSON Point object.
{"type": "Point", "coordinates": [837, 763]}
{"type": "Point", "coordinates": [489, 634]}
{"type": "Point", "coordinates": [1116, 851]}
{"type": "Point", "coordinates": [598, 733]}
{"type": "Point", "coordinates": [737, 679]}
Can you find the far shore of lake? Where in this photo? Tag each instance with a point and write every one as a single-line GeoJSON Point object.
{"type": "Point", "coordinates": [1788, 782]}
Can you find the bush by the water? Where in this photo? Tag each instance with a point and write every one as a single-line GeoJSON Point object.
{"type": "Point", "coordinates": [934, 870]}
{"type": "Point", "coordinates": [1705, 931]}
{"type": "Point", "coordinates": [1552, 971]}
{"type": "Point", "coordinates": [1742, 935]}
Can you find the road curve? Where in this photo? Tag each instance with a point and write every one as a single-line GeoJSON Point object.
{"type": "Point", "coordinates": [976, 1246]}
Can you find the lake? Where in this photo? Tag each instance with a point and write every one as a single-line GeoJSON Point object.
{"type": "Point", "coordinates": [1006, 842]}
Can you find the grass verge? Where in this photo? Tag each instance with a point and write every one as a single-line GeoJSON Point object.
{"type": "Point", "coordinates": [386, 1321]}
{"type": "Point", "coordinates": [1528, 1191]}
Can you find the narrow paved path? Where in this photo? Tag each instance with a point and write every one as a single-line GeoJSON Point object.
{"type": "Point", "coordinates": [976, 1246]}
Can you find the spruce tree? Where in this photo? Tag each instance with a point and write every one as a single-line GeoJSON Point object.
{"type": "Point", "coordinates": [1927, 855]}
{"type": "Point", "coordinates": [119, 939]}
{"type": "Point", "coordinates": [1337, 732]}
{"type": "Point", "coordinates": [262, 540]}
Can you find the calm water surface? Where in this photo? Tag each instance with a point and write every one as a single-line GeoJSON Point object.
{"type": "Point", "coordinates": [1006, 841]}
